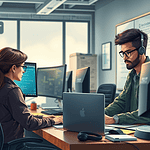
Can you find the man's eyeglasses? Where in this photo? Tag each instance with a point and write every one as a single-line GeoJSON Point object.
{"type": "Point", "coordinates": [127, 53]}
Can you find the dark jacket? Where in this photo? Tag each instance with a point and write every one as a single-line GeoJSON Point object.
{"type": "Point", "coordinates": [15, 115]}
{"type": "Point", "coordinates": [126, 104]}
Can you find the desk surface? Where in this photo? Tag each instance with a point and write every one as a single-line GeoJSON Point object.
{"type": "Point", "coordinates": [66, 140]}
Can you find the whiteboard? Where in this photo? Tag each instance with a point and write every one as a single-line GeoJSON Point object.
{"type": "Point", "coordinates": [144, 25]}
{"type": "Point", "coordinates": [141, 22]}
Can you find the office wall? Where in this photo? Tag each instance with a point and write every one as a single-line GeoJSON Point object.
{"type": "Point", "coordinates": [109, 13]}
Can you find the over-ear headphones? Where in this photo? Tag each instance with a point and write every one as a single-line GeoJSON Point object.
{"type": "Point", "coordinates": [141, 50]}
{"type": "Point", "coordinates": [83, 136]}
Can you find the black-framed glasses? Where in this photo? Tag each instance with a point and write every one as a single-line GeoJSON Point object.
{"type": "Point", "coordinates": [127, 53]}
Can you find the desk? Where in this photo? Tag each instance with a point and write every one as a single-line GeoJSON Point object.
{"type": "Point", "coordinates": [66, 140]}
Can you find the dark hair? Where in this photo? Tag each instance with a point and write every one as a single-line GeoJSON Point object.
{"type": "Point", "coordinates": [8, 58]}
{"type": "Point", "coordinates": [131, 35]}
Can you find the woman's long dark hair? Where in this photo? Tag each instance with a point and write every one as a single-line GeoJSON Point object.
{"type": "Point", "coordinates": [8, 58]}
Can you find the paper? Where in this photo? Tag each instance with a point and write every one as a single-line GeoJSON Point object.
{"type": "Point", "coordinates": [121, 126]}
{"type": "Point", "coordinates": [39, 114]}
{"type": "Point", "coordinates": [127, 131]}
{"type": "Point", "coordinates": [58, 126]}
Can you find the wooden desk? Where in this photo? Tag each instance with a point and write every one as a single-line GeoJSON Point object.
{"type": "Point", "coordinates": [66, 140]}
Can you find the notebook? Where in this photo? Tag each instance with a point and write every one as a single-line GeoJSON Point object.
{"type": "Point", "coordinates": [84, 112]}
{"type": "Point", "coordinates": [117, 138]}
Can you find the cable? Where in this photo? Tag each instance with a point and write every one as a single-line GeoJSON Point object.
{"type": "Point", "coordinates": [133, 145]}
{"type": "Point", "coordinates": [56, 100]}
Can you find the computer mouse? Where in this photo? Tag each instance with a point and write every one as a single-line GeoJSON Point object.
{"type": "Point", "coordinates": [115, 131]}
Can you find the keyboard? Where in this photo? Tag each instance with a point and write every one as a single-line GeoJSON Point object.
{"type": "Point", "coordinates": [52, 112]}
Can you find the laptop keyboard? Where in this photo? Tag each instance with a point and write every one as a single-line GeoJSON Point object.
{"type": "Point", "coordinates": [52, 112]}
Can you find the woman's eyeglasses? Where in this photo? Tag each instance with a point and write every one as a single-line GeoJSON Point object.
{"type": "Point", "coordinates": [127, 53]}
{"type": "Point", "coordinates": [24, 68]}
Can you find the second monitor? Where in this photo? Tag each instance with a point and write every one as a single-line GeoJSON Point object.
{"type": "Point", "coordinates": [68, 84]}
{"type": "Point", "coordinates": [51, 81]}
{"type": "Point", "coordinates": [82, 82]}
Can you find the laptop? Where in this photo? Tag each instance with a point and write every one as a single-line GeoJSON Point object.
{"type": "Point", "coordinates": [84, 112]}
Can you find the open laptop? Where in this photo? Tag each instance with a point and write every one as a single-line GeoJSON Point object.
{"type": "Point", "coordinates": [84, 112]}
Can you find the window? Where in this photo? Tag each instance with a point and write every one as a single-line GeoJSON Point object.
{"type": "Point", "coordinates": [76, 39]}
{"type": "Point", "coordinates": [8, 38]}
{"type": "Point", "coordinates": [42, 42]}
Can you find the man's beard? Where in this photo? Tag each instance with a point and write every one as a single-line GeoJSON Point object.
{"type": "Point", "coordinates": [133, 64]}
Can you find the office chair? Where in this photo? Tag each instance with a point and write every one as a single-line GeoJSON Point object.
{"type": "Point", "coordinates": [109, 90]}
{"type": "Point", "coordinates": [14, 144]}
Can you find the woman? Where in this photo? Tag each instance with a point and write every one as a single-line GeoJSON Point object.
{"type": "Point", "coordinates": [14, 113]}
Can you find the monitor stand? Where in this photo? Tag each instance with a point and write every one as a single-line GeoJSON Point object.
{"type": "Point", "coordinates": [60, 105]}
{"type": "Point", "coordinates": [58, 108]}
{"type": "Point", "coordinates": [54, 110]}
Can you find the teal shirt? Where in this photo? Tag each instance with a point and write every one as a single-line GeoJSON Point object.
{"type": "Point", "coordinates": [126, 104]}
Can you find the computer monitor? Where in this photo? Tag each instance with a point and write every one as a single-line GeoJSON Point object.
{"type": "Point", "coordinates": [28, 84]}
{"type": "Point", "coordinates": [144, 91]}
{"type": "Point", "coordinates": [51, 81]}
{"type": "Point", "coordinates": [68, 84]}
{"type": "Point", "coordinates": [82, 82]}
{"type": "Point", "coordinates": [143, 132]}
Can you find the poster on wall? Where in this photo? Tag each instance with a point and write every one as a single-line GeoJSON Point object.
{"type": "Point", "coordinates": [106, 56]}
{"type": "Point", "coordinates": [121, 70]}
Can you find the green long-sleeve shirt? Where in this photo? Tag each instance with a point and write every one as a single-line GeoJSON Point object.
{"type": "Point", "coordinates": [126, 104]}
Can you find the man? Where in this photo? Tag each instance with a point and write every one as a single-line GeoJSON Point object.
{"type": "Point", "coordinates": [124, 109]}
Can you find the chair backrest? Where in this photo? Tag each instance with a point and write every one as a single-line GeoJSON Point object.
{"type": "Point", "coordinates": [109, 90]}
{"type": "Point", "coordinates": [1, 137]}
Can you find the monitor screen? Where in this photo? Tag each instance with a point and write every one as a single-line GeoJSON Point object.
{"type": "Point", "coordinates": [51, 81]}
{"type": "Point", "coordinates": [68, 84]}
{"type": "Point", "coordinates": [144, 91]}
{"type": "Point", "coordinates": [28, 84]}
{"type": "Point", "coordinates": [82, 82]}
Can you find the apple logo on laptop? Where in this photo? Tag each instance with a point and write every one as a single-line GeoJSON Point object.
{"type": "Point", "coordinates": [82, 112]}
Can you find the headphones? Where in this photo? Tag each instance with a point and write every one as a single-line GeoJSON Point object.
{"type": "Point", "coordinates": [141, 50]}
{"type": "Point", "coordinates": [83, 136]}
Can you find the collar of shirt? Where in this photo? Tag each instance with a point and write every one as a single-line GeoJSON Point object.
{"type": "Point", "coordinates": [9, 81]}
{"type": "Point", "coordinates": [136, 77]}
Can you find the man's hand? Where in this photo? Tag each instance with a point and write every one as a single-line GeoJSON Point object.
{"type": "Point", "coordinates": [109, 120]}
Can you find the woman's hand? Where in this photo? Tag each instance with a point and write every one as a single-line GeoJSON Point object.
{"type": "Point", "coordinates": [58, 120]}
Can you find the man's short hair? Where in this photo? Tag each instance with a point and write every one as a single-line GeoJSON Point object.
{"type": "Point", "coordinates": [131, 35]}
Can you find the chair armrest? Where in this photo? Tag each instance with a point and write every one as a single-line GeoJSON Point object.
{"type": "Point", "coordinates": [23, 140]}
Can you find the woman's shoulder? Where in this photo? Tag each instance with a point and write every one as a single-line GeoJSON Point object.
{"type": "Point", "coordinates": [8, 86]}
{"type": "Point", "coordinates": [6, 90]}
